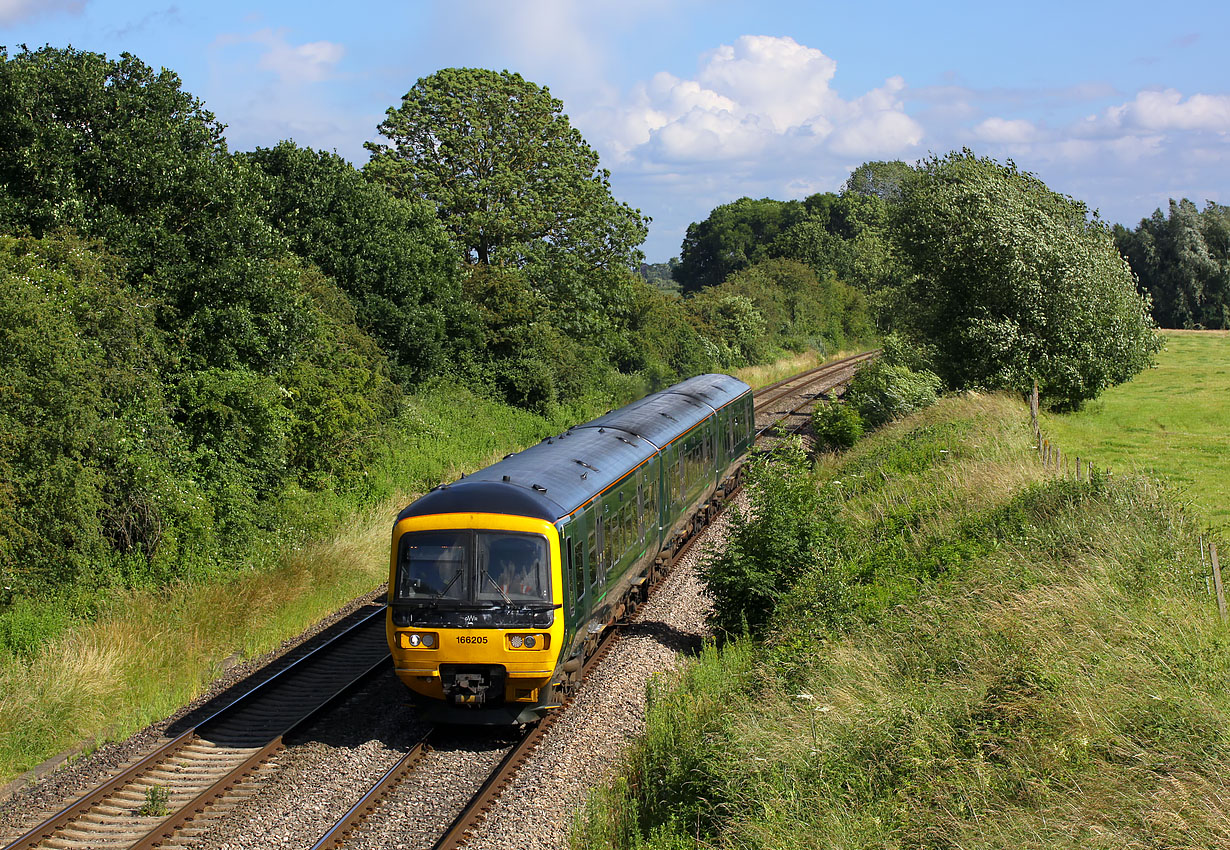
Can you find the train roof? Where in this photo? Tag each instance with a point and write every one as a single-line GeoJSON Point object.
{"type": "Point", "coordinates": [559, 475]}
{"type": "Point", "coordinates": [663, 416]}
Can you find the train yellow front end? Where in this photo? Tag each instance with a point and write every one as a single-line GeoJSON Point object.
{"type": "Point", "coordinates": [473, 622]}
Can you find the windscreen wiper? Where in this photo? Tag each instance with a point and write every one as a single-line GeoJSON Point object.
{"type": "Point", "coordinates": [499, 589]}
{"type": "Point", "coordinates": [448, 586]}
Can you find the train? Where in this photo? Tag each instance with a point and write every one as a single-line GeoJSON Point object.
{"type": "Point", "coordinates": [502, 583]}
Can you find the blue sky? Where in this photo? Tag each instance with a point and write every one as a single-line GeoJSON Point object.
{"type": "Point", "coordinates": [693, 104]}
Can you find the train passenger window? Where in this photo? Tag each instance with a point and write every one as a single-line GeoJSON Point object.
{"type": "Point", "coordinates": [577, 568]}
{"type": "Point", "coordinates": [433, 564]}
{"type": "Point", "coordinates": [594, 567]}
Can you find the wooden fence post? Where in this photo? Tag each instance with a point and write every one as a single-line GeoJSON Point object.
{"type": "Point", "coordinates": [1221, 596]}
{"type": "Point", "coordinates": [1204, 570]}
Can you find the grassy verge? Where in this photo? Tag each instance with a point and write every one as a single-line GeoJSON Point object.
{"type": "Point", "coordinates": [1146, 425]}
{"type": "Point", "coordinates": [147, 653]}
{"type": "Point", "coordinates": [1019, 661]}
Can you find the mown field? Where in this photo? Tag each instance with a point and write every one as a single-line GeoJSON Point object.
{"type": "Point", "coordinates": [1173, 420]}
{"type": "Point", "coordinates": [986, 655]}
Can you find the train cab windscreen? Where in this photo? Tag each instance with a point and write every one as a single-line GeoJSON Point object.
{"type": "Point", "coordinates": [497, 578]}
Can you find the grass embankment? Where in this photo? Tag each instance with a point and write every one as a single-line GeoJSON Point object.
{"type": "Point", "coordinates": [1170, 420]}
{"type": "Point", "coordinates": [1020, 661]}
{"type": "Point", "coordinates": [148, 653]}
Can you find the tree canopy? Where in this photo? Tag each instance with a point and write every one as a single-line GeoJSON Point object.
{"type": "Point", "coordinates": [733, 237]}
{"type": "Point", "coordinates": [1015, 282]}
{"type": "Point", "coordinates": [390, 255]}
{"type": "Point", "coordinates": [1183, 261]}
{"type": "Point", "coordinates": [506, 172]}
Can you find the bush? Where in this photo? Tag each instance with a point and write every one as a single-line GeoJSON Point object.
{"type": "Point", "coordinates": [837, 426]}
{"type": "Point", "coordinates": [882, 392]}
{"type": "Point", "coordinates": [769, 547]}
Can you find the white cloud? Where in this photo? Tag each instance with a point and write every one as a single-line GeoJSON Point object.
{"type": "Point", "coordinates": [15, 11]}
{"type": "Point", "coordinates": [1005, 130]}
{"type": "Point", "coordinates": [1166, 110]}
{"type": "Point", "coordinates": [311, 62]}
{"type": "Point", "coordinates": [760, 98]}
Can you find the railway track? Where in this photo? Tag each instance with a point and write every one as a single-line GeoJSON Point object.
{"type": "Point", "coordinates": [167, 798]}
{"type": "Point", "coordinates": [209, 769]}
{"type": "Point", "coordinates": [794, 396]}
{"type": "Point", "coordinates": [781, 401]}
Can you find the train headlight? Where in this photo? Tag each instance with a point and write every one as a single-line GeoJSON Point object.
{"type": "Point", "coordinates": [416, 640]}
{"type": "Point", "coordinates": [535, 641]}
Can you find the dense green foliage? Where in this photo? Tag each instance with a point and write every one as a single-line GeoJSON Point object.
{"type": "Point", "coordinates": [882, 391]}
{"type": "Point", "coordinates": [836, 235]}
{"type": "Point", "coordinates": [509, 176]}
{"type": "Point", "coordinates": [733, 237]}
{"type": "Point", "coordinates": [1182, 261]}
{"type": "Point", "coordinates": [1025, 661]}
{"type": "Point", "coordinates": [390, 256]}
{"type": "Point", "coordinates": [770, 546]}
{"type": "Point", "coordinates": [1014, 283]}
{"type": "Point", "coordinates": [837, 426]}
{"type": "Point", "coordinates": [778, 304]}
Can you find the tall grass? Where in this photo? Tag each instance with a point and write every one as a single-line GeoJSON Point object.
{"type": "Point", "coordinates": [1033, 662]}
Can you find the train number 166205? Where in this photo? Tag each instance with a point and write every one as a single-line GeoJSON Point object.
{"type": "Point", "coordinates": [471, 638]}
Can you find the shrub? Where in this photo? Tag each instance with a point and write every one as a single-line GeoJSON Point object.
{"type": "Point", "coordinates": [837, 426]}
{"type": "Point", "coordinates": [770, 546]}
{"type": "Point", "coordinates": [882, 392]}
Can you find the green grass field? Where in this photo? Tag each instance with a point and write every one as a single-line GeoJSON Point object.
{"type": "Point", "coordinates": [1173, 421]}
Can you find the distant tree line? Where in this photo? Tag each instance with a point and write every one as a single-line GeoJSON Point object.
{"type": "Point", "coordinates": [997, 279]}
{"type": "Point", "coordinates": [1182, 260]}
{"type": "Point", "coordinates": [194, 340]}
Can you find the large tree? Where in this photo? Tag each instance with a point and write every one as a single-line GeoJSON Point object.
{"type": "Point", "coordinates": [733, 237]}
{"type": "Point", "coordinates": [390, 255]}
{"type": "Point", "coordinates": [511, 179]}
{"type": "Point", "coordinates": [1183, 262]}
{"type": "Point", "coordinates": [1015, 282]}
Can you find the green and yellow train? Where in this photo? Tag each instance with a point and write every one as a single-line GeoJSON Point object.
{"type": "Point", "coordinates": [501, 583]}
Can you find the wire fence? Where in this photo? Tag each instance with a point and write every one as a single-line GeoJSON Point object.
{"type": "Point", "coordinates": [1084, 470]}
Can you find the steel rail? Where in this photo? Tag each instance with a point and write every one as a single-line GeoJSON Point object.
{"type": "Point", "coordinates": [74, 812]}
{"type": "Point", "coordinates": [359, 812]}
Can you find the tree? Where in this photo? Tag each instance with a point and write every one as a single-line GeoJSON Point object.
{"type": "Point", "coordinates": [1183, 262]}
{"type": "Point", "coordinates": [389, 255]}
{"type": "Point", "coordinates": [1015, 282]}
{"type": "Point", "coordinates": [508, 175]}
{"type": "Point", "coordinates": [878, 179]}
{"type": "Point", "coordinates": [733, 237]}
